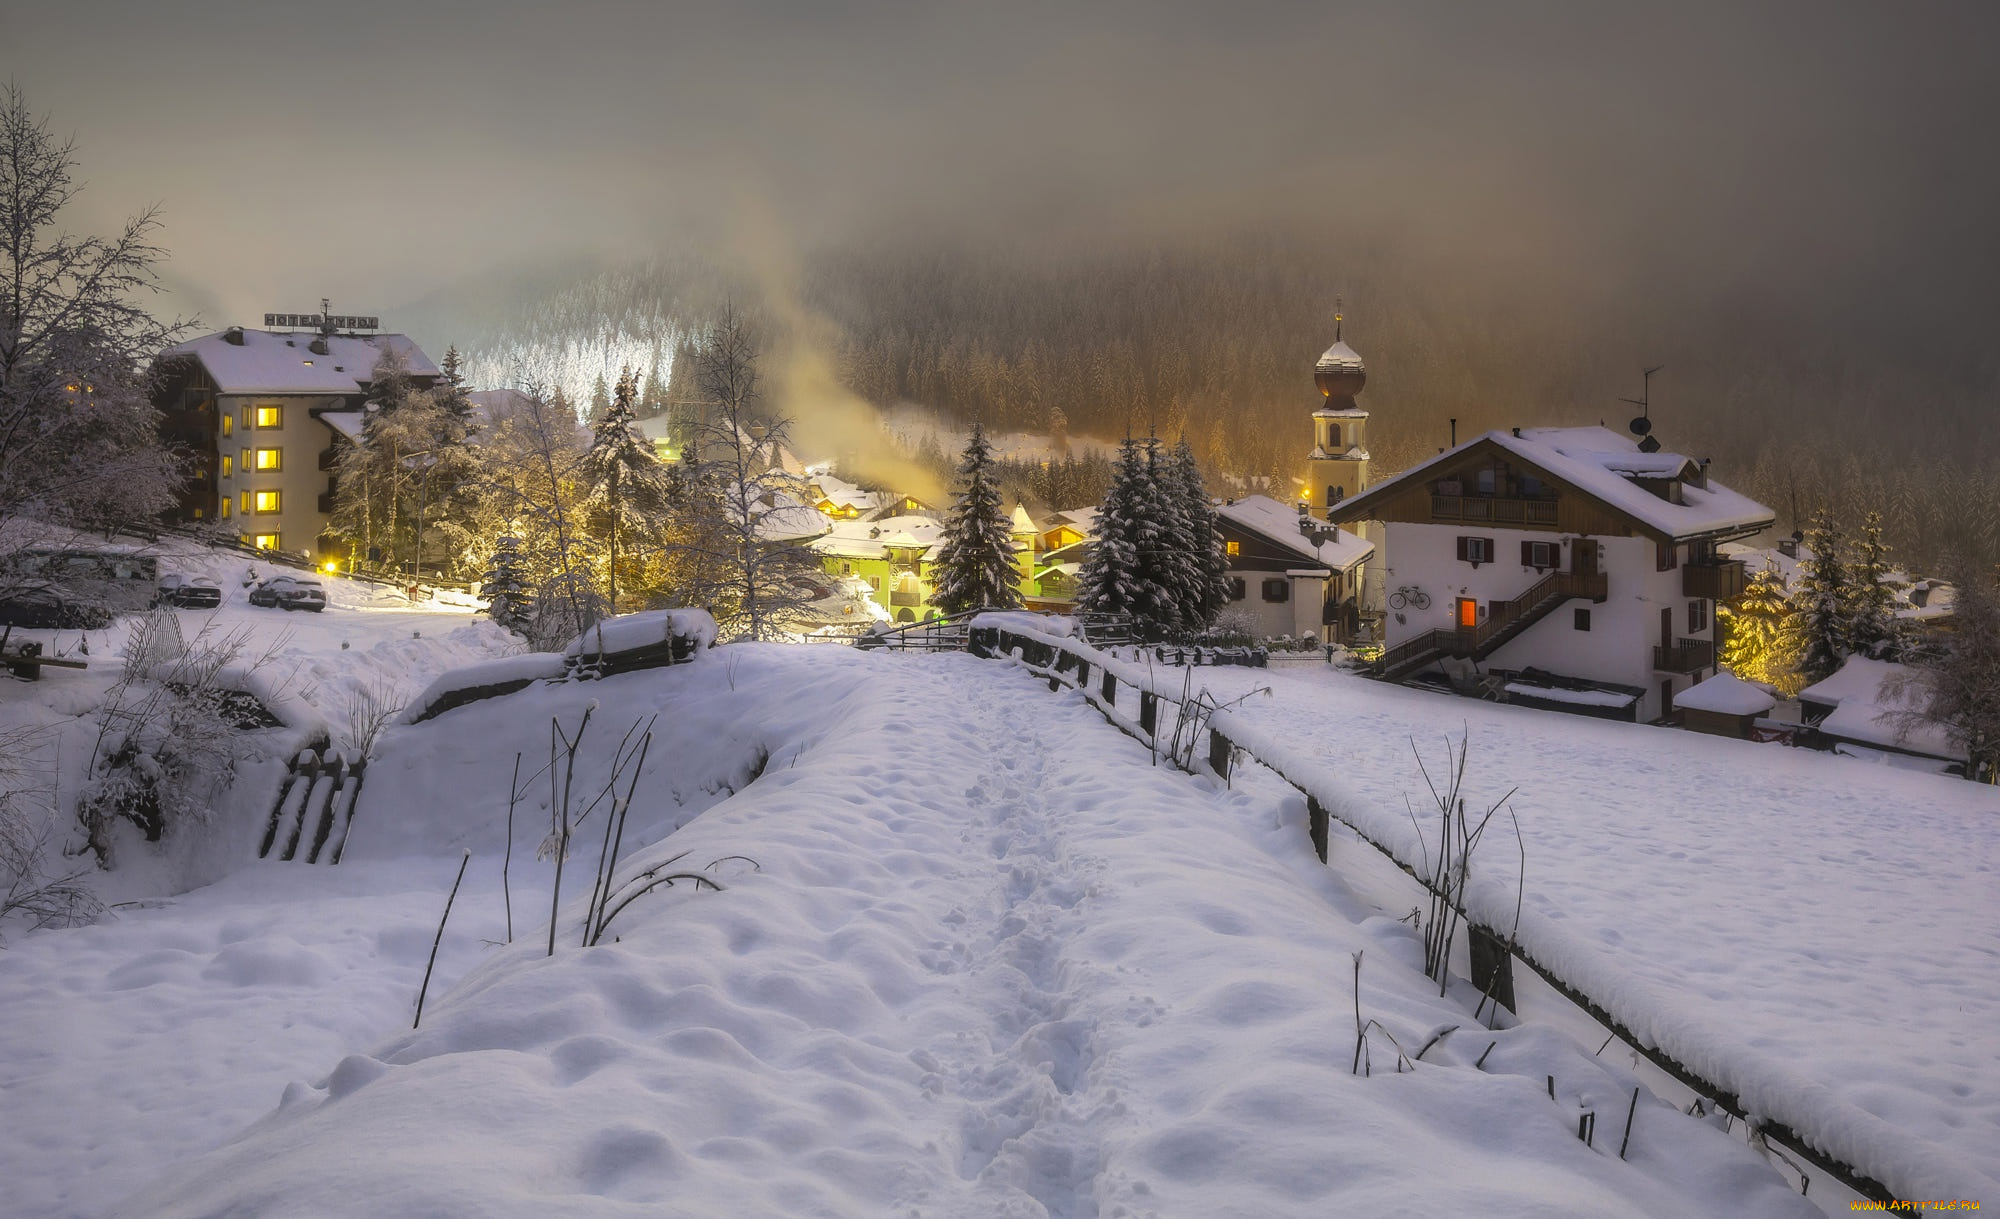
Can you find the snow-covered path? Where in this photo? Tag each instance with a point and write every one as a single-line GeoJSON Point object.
{"type": "Point", "coordinates": [990, 961]}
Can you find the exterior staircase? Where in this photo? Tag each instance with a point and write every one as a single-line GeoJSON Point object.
{"type": "Point", "coordinates": [1505, 621]}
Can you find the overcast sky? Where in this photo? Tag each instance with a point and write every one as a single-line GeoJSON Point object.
{"type": "Point", "coordinates": [373, 151]}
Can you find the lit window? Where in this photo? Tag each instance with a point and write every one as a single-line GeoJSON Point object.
{"type": "Point", "coordinates": [228, 425]}
{"type": "Point", "coordinates": [267, 501]}
{"type": "Point", "coordinates": [228, 506]}
{"type": "Point", "coordinates": [246, 459]}
{"type": "Point", "coordinates": [270, 416]}
{"type": "Point", "coordinates": [265, 541]}
{"type": "Point", "coordinates": [1233, 548]}
{"type": "Point", "coordinates": [228, 465]}
{"type": "Point", "coordinates": [267, 459]}
{"type": "Point", "coordinates": [198, 514]}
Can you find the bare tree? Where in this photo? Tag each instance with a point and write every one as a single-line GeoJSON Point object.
{"type": "Point", "coordinates": [79, 438]}
{"type": "Point", "coordinates": [744, 515]}
{"type": "Point", "coordinates": [529, 490]}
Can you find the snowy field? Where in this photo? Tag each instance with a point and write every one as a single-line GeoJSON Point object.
{"type": "Point", "coordinates": [1795, 914]}
{"type": "Point", "coordinates": [974, 955]}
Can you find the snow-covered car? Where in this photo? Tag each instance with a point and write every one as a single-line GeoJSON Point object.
{"type": "Point", "coordinates": [188, 592]}
{"type": "Point", "coordinates": [51, 609]}
{"type": "Point", "coordinates": [290, 593]}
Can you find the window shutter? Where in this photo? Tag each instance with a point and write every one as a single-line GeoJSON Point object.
{"type": "Point", "coordinates": [1527, 554]}
{"type": "Point", "coordinates": [1463, 544]}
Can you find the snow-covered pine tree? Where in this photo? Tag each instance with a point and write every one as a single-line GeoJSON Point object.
{"type": "Point", "coordinates": [450, 389]}
{"type": "Point", "coordinates": [1822, 605]}
{"type": "Point", "coordinates": [1105, 584]}
{"type": "Point", "coordinates": [510, 600]}
{"type": "Point", "coordinates": [975, 567]}
{"type": "Point", "coordinates": [1127, 569]}
{"type": "Point", "coordinates": [1871, 619]}
{"type": "Point", "coordinates": [1203, 588]}
{"type": "Point", "coordinates": [622, 479]}
{"type": "Point", "coordinates": [1756, 645]}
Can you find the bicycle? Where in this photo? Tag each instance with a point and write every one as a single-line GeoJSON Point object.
{"type": "Point", "coordinates": [1409, 595]}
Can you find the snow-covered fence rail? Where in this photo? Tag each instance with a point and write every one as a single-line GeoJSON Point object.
{"type": "Point", "coordinates": [1870, 1155]}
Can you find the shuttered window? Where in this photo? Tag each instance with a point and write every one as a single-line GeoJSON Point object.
{"type": "Point", "coordinates": [1541, 554]}
{"type": "Point", "coordinates": [1475, 550]}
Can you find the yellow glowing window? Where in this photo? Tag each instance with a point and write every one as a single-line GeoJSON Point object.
{"type": "Point", "coordinates": [270, 416]}
{"type": "Point", "coordinates": [1233, 548]}
{"type": "Point", "coordinates": [228, 506]}
{"type": "Point", "coordinates": [228, 425]}
{"type": "Point", "coordinates": [246, 460]}
{"type": "Point", "coordinates": [265, 541]}
{"type": "Point", "coordinates": [910, 504]}
{"type": "Point", "coordinates": [228, 465]}
{"type": "Point", "coordinates": [267, 459]}
{"type": "Point", "coordinates": [198, 512]}
{"type": "Point", "coordinates": [266, 501]}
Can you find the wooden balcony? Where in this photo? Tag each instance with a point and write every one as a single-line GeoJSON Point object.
{"type": "Point", "coordinates": [1718, 580]}
{"type": "Point", "coordinates": [328, 458]}
{"type": "Point", "coordinates": [1484, 509]}
{"type": "Point", "coordinates": [1685, 656]}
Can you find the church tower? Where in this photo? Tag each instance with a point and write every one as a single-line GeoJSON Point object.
{"type": "Point", "coordinates": [1338, 464]}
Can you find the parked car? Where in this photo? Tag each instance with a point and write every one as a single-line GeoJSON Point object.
{"type": "Point", "coordinates": [48, 609]}
{"type": "Point", "coordinates": [290, 593]}
{"type": "Point", "coordinates": [188, 592]}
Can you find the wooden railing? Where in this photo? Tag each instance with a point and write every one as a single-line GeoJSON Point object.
{"type": "Point", "coordinates": [1499, 511]}
{"type": "Point", "coordinates": [1720, 580]}
{"type": "Point", "coordinates": [1685, 656]}
{"type": "Point", "coordinates": [1507, 619]}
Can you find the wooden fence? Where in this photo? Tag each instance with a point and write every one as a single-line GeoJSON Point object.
{"type": "Point", "coordinates": [1200, 741]}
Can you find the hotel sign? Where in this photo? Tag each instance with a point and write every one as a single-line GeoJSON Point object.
{"type": "Point", "coordinates": [313, 321]}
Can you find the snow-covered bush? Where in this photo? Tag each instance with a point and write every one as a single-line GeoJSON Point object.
{"type": "Point", "coordinates": [169, 739]}
{"type": "Point", "coordinates": [27, 888]}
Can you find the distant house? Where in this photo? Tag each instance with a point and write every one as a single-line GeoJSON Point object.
{"type": "Point", "coordinates": [1051, 552]}
{"type": "Point", "coordinates": [263, 410]}
{"type": "Point", "coordinates": [1288, 584]}
{"type": "Point", "coordinates": [894, 556]}
{"type": "Point", "coordinates": [1569, 551]}
{"type": "Point", "coordinates": [1861, 710]}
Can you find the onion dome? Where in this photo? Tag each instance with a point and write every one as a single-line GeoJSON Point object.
{"type": "Point", "coordinates": [1340, 372]}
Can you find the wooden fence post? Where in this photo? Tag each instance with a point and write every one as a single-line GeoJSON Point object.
{"type": "Point", "coordinates": [1492, 965]}
{"type": "Point", "coordinates": [1218, 754]}
{"type": "Point", "coordinates": [1149, 713]}
{"type": "Point", "coordinates": [1316, 825]}
{"type": "Point", "coordinates": [1109, 689]}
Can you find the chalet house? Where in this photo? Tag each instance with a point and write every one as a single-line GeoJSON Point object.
{"type": "Point", "coordinates": [262, 411]}
{"type": "Point", "coordinates": [1568, 551]}
{"type": "Point", "coordinates": [1051, 553]}
{"type": "Point", "coordinates": [893, 555]}
{"type": "Point", "coordinates": [1289, 583]}
{"type": "Point", "coordinates": [1865, 709]}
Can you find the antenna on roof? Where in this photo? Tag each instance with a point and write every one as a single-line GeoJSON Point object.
{"type": "Point", "coordinates": [1642, 426]}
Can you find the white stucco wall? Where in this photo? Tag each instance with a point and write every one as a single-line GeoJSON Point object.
{"type": "Point", "coordinates": [1293, 617]}
{"type": "Point", "coordinates": [1618, 647]}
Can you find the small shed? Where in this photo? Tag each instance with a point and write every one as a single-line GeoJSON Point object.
{"type": "Point", "coordinates": [1724, 705]}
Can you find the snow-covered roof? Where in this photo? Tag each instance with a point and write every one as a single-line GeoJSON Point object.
{"type": "Point", "coordinates": [347, 423]}
{"type": "Point", "coordinates": [1858, 678]}
{"type": "Point", "coordinates": [1279, 524]}
{"type": "Point", "coordinates": [285, 363]}
{"type": "Point", "coordinates": [1083, 520]}
{"type": "Point", "coordinates": [1023, 523]}
{"type": "Point", "coordinates": [1340, 358]}
{"type": "Point", "coordinates": [1727, 694]}
{"type": "Point", "coordinates": [790, 522]}
{"type": "Point", "coordinates": [872, 539]}
{"type": "Point", "coordinates": [1577, 698]}
{"type": "Point", "coordinates": [844, 494]}
{"type": "Point", "coordinates": [1602, 464]}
